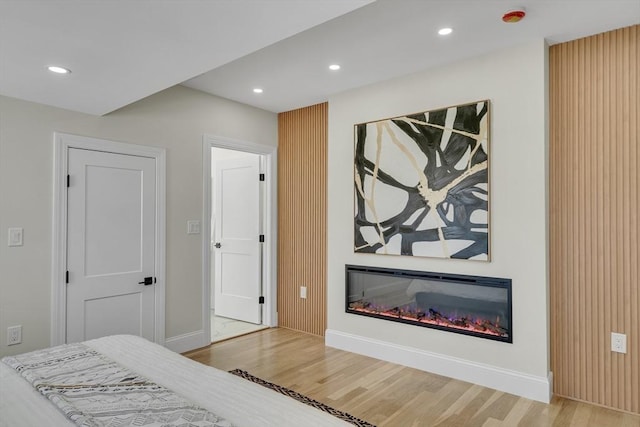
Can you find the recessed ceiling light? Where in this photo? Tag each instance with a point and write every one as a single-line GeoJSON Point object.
{"type": "Point", "coordinates": [445, 31]}
{"type": "Point", "coordinates": [58, 70]}
{"type": "Point", "coordinates": [334, 67]}
{"type": "Point", "coordinates": [257, 90]}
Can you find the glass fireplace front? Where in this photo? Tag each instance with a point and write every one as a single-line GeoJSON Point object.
{"type": "Point", "coordinates": [471, 305]}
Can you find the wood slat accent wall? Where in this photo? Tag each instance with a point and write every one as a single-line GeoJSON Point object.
{"type": "Point", "coordinates": [594, 204]}
{"type": "Point", "coordinates": [302, 218]}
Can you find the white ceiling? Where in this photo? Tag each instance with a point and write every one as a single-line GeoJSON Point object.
{"type": "Point", "coordinates": [123, 51]}
{"type": "Point", "coordinates": [120, 51]}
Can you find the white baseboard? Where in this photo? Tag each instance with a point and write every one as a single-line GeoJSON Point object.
{"type": "Point", "coordinates": [520, 384]}
{"type": "Point", "coordinates": [187, 342]}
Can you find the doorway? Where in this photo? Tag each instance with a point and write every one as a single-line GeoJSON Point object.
{"type": "Point", "coordinates": [109, 253]}
{"type": "Point", "coordinates": [111, 213]}
{"type": "Point", "coordinates": [238, 238]}
{"type": "Point", "coordinates": [236, 242]}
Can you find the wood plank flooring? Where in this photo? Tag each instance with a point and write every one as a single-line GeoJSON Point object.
{"type": "Point", "coordinates": [390, 395]}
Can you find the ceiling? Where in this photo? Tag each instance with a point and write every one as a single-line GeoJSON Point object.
{"type": "Point", "coordinates": [123, 51]}
{"type": "Point", "coordinates": [120, 52]}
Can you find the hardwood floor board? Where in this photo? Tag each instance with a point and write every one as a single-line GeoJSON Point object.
{"type": "Point", "coordinates": [495, 395]}
{"type": "Point", "coordinates": [395, 392]}
{"type": "Point", "coordinates": [606, 417]}
{"type": "Point", "coordinates": [291, 373]}
{"type": "Point", "coordinates": [365, 403]}
{"type": "Point", "coordinates": [392, 411]}
{"type": "Point", "coordinates": [460, 404]}
{"type": "Point", "coordinates": [343, 381]}
{"type": "Point", "coordinates": [382, 375]}
{"type": "Point", "coordinates": [430, 410]}
{"type": "Point", "coordinates": [433, 382]}
{"type": "Point", "coordinates": [333, 388]}
{"type": "Point", "coordinates": [517, 412]}
{"type": "Point", "coordinates": [581, 415]}
{"type": "Point", "coordinates": [464, 412]}
{"type": "Point", "coordinates": [377, 403]}
{"type": "Point", "coordinates": [540, 415]}
{"type": "Point", "coordinates": [360, 403]}
{"type": "Point", "coordinates": [390, 395]}
{"type": "Point", "coordinates": [419, 412]}
{"type": "Point", "coordinates": [332, 364]}
{"type": "Point", "coordinates": [345, 386]}
{"type": "Point", "coordinates": [498, 409]}
{"type": "Point", "coordinates": [629, 420]}
{"type": "Point", "coordinates": [492, 422]}
{"type": "Point", "coordinates": [353, 395]}
{"type": "Point", "coordinates": [567, 412]}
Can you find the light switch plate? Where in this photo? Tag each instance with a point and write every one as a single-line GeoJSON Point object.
{"type": "Point", "coordinates": [15, 236]}
{"type": "Point", "coordinates": [193, 227]}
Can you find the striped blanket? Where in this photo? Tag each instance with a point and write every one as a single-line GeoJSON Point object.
{"type": "Point", "coordinates": [93, 391]}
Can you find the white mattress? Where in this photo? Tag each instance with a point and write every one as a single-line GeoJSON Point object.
{"type": "Point", "coordinates": [235, 399]}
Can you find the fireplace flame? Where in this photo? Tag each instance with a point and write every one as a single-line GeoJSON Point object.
{"type": "Point", "coordinates": [434, 317]}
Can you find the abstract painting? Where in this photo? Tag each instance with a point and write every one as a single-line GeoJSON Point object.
{"type": "Point", "coordinates": [422, 184]}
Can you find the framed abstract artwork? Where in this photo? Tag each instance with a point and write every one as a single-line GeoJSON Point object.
{"type": "Point", "coordinates": [422, 184]}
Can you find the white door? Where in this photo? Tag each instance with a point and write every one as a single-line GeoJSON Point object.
{"type": "Point", "coordinates": [110, 245]}
{"type": "Point", "coordinates": [237, 255]}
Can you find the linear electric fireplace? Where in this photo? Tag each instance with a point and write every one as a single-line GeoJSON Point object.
{"type": "Point", "coordinates": [470, 305]}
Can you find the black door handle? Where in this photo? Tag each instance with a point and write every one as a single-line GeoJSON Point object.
{"type": "Point", "coordinates": [147, 281]}
{"type": "Point", "coordinates": [218, 245]}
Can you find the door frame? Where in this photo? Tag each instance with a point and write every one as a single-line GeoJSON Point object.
{"type": "Point", "coordinates": [270, 226]}
{"type": "Point", "coordinates": [62, 143]}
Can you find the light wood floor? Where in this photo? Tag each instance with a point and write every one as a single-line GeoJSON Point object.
{"type": "Point", "coordinates": [386, 394]}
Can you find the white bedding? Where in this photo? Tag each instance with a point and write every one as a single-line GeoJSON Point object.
{"type": "Point", "coordinates": [235, 399]}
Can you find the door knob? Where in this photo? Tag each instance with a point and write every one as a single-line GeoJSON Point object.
{"type": "Point", "coordinates": [218, 245]}
{"type": "Point", "coordinates": [147, 281]}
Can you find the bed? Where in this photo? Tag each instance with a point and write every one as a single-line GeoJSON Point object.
{"type": "Point", "coordinates": [237, 401]}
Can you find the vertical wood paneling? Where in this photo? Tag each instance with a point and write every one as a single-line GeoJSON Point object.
{"type": "Point", "coordinates": [302, 206]}
{"type": "Point", "coordinates": [594, 186]}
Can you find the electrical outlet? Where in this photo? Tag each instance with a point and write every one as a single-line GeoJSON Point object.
{"type": "Point", "coordinates": [14, 335]}
{"type": "Point", "coordinates": [303, 291]}
{"type": "Point", "coordinates": [618, 342]}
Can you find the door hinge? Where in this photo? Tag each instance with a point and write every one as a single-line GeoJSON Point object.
{"type": "Point", "coordinates": [261, 177]}
{"type": "Point", "coordinates": [261, 300]}
{"type": "Point", "coordinates": [66, 277]}
{"type": "Point", "coordinates": [261, 238]}
{"type": "Point", "coordinates": [68, 180]}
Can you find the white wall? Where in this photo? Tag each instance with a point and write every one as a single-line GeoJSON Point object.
{"type": "Point", "coordinates": [175, 119]}
{"type": "Point", "coordinates": [514, 80]}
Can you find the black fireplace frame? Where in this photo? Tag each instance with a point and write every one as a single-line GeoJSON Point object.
{"type": "Point", "coordinates": [493, 282]}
